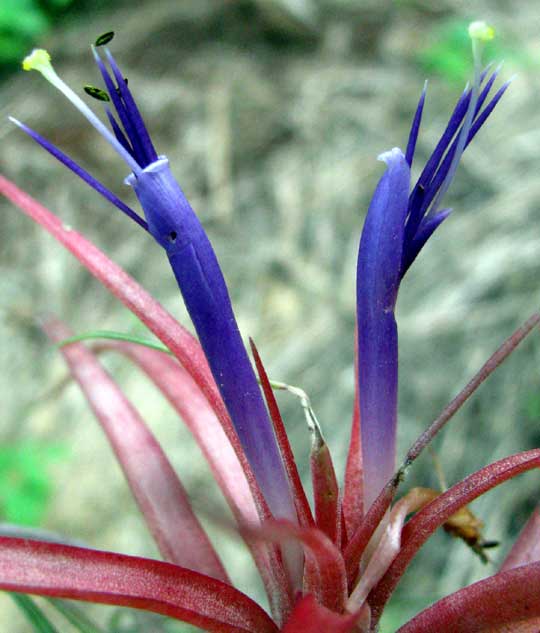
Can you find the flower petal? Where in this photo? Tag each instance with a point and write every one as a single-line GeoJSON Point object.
{"type": "Point", "coordinates": [427, 227]}
{"type": "Point", "coordinates": [378, 278]}
{"type": "Point", "coordinates": [133, 113]}
{"type": "Point", "coordinates": [175, 226]}
{"type": "Point", "coordinates": [413, 136]}
{"type": "Point", "coordinates": [82, 173]}
{"type": "Point", "coordinates": [134, 139]}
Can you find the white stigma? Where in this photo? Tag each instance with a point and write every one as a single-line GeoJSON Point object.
{"type": "Point", "coordinates": [40, 60]}
{"type": "Point", "coordinates": [481, 31]}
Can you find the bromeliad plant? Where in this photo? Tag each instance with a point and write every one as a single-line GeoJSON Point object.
{"type": "Point", "coordinates": [331, 568]}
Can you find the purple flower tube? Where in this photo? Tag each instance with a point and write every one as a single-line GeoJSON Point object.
{"type": "Point", "coordinates": [398, 223]}
{"type": "Point", "coordinates": [174, 225]}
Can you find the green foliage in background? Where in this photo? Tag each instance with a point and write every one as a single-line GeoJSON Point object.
{"type": "Point", "coordinates": [25, 484]}
{"type": "Point", "coordinates": [532, 406]}
{"type": "Point", "coordinates": [35, 616]}
{"type": "Point", "coordinates": [21, 22]}
{"type": "Point", "coordinates": [448, 52]}
{"type": "Point", "coordinates": [121, 621]}
{"type": "Point", "coordinates": [42, 615]}
{"type": "Point", "coordinates": [132, 621]}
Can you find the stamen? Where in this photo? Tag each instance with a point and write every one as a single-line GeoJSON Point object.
{"type": "Point", "coordinates": [119, 133]}
{"type": "Point", "coordinates": [96, 93]}
{"type": "Point", "coordinates": [133, 111]}
{"type": "Point", "coordinates": [479, 32]}
{"type": "Point", "coordinates": [138, 153]}
{"type": "Point", "coordinates": [40, 60]}
{"type": "Point", "coordinates": [128, 113]}
{"type": "Point", "coordinates": [104, 39]}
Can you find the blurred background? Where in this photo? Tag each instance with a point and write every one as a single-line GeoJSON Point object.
{"type": "Point", "coordinates": [272, 113]}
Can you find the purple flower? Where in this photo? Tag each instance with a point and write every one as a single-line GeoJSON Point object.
{"type": "Point", "coordinates": [399, 222]}
{"type": "Point", "coordinates": [174, 225]}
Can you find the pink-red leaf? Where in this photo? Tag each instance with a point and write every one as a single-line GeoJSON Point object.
{"type": "Point", "coordinates": [153, 481]}
{"type": "Point", "coordinates": [435, 514]}
{"type": "Point", "coordinates": [182, 392]}
{"type": "Point", "coordinates": [310, 617]}
{"type": "Point", "coordinates": [186, 397]}
{"type": "Point", "coordinates": [181, 343]}
{"type": "Point", "coordinates": [527, 547]}
{"type": "Point", "coordinates": [506, 602]}
{"type": "Point", "coordinates": [61, 571]}
{"type": "Point", "coordinates": [325, 569]}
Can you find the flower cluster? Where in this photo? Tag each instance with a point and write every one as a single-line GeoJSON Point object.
{"type": "Point", "coordinates": [328, 568]}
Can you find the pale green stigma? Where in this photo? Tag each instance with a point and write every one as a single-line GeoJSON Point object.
{"type": "Point", "coordinates": [40, 60]}
{"type": "Point", "coordinates": [481, 31]}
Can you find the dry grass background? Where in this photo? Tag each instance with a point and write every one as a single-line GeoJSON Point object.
{"type": "Point", "coordinates": [272, 119]}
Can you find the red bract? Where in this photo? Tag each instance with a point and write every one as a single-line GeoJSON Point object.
{"type": "Point", "coordinates": [300, 500]}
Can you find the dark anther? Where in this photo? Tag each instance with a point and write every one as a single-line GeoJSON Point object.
{"type": "Point", "coordinates": [172, 237]}
{"type": "Point", "coordinates": [489, 544]}
{"type": "Point", "coordinates": [96, 93]}
{"type": "Point", "coordinates": [105, 38]}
